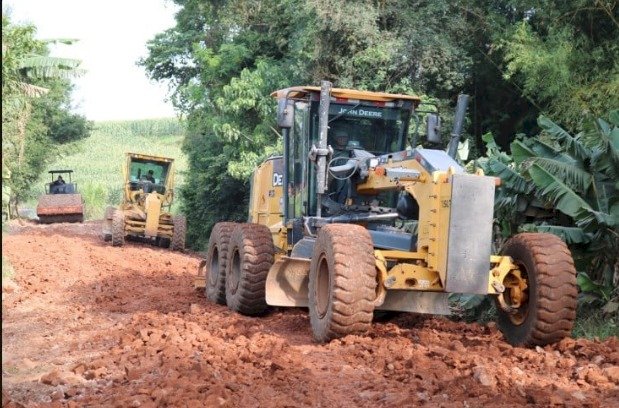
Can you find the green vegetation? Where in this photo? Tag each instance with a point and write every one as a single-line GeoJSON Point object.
{"type": "Point", "coordinates": [565, 185]}
{"type": "Point", "coordinates": [7, 269]}
{"type": "Point", "coordinates": [590, 323]}
{"type": "Point", "coordinates": [528, 65]}
{"type": "Point", "coordinates": [97, 161]}
{"type": "Point", "coordinates": [36, 117]}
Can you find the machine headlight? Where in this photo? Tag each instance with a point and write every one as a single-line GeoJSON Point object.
{"type": "Point", "coordinates": [373, 163]}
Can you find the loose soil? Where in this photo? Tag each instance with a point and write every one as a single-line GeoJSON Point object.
{"type": "Point", "coordinates": [88, 324]}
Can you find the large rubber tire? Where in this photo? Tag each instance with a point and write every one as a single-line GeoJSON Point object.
{"type": "Point", "coordinates": [548, 314]}
{"type": "Point", "coordinates": [216, 262]}
{"type": "Point", "coordinates": [118, 228]}
{"type": "Point", "coordinates": [107, 223]}
{"type": "Point", "coordinates": [342, 282]}
{"type": "Point", "coordinates": [178, 236]}
{"type": "Point", "coordinates": [250, 256]}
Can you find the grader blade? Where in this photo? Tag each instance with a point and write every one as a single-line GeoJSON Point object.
{"type": "Point", "coordinates": [287, 282]}
{"type": "Point", "coordinates": [199, 281]}
{"type": "Point", "coordinates": [416, 302]}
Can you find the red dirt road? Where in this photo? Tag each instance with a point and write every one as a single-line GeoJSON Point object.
{"type": "Point", "coordinates": [87, 324]}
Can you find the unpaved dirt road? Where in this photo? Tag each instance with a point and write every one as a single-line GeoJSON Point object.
{"type": "Point", "coordinates": [86, 324]}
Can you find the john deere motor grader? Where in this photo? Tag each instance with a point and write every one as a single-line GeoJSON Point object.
{"type": "Point", "coordinates": [375, 225]}
{"type": "Point", "coordinates": [144, 213]}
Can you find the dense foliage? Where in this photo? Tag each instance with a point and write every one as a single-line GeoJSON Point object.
{"type": "Point", "coordinates": [36, 112]}
{"type": "Point", "coordinates": [567, 185]}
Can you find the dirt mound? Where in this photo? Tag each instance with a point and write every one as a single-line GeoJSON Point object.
{"type": "Point", "coordinates": [88, 324]}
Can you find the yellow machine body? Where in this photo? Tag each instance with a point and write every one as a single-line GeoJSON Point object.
{"type": "Point", "coordinates": [266, 198]}
{"type": "Point", "coordinates": [452, 253]}
{"type": "Point", "coordinates": [148, 193]}
{"type": "Point", "coordinates": [143, 206]}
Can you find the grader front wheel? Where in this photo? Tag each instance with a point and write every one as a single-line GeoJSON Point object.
{"type": "Point", "coordinates": [178, 236]}
{"type": "Point", "coordinates": [118, 228]}
{"type": "Point", "coordinates": [539, 303]}
{"type": "Point", "coordinates": [342, 282]}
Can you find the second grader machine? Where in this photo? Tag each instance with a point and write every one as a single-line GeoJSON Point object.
{"type": "Point", "coordinates": [148, 192]}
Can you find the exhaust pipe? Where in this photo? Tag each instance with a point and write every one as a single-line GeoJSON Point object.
{"type": "Point", "coordinates": [452, 147]}
{"type": "Point", "coordinates": [322, 151]}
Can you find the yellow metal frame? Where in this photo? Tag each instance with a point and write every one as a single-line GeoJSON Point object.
{"type": "Point", "coordinates": [144, 214]}
{"type": "Point", "coordinates": [426, 269]}
{"type": "Point", "coordinates": [266, 202]}
{"type": "Point", "coordinates": [422, 270]}
{"type": "Point", "coordinates": [131, 196]}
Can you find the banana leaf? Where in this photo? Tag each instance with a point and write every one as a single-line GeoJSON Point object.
{"type": "Point", "coordinates": [572, 144]}
{"type": "Point", "coordinates": [521, 152]}
{"type": "Point", "coordinates": [591, 220]}
{"type": "Point", "coordinates": [509, 177]}
{"type": "Point", "coordinates": [603, 141]}
{"type": "Point", "coordinates": [553, 189]}
{"type": "Point", "coordinates": [575, 177]}
{"type": "Point", "coordinates": [571, 235]}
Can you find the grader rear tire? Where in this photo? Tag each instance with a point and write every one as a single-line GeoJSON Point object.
{"type": "Point", "coordinates": [548, 313]}
{"type": "Point", "coordinates": [216, 262]}
{"type": "Point", "coordinates": [118, 228]}
{"type": "Point", "coordinates": [250, 256]}
{"type": "Point", "coordinates": [342, 282]}
{"type": "Point", "coordinates": [178, 236]}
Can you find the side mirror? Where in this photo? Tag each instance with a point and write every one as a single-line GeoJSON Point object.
{"type": "Point", "coordinates": [433, 130]}
{"type": "Point", "coordinates": [285, 113]}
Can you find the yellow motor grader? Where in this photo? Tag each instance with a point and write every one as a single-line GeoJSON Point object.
{"type": "Point", "coordinates": [144, 213]}
{"type": "Point", "coordinates": [351, 220]}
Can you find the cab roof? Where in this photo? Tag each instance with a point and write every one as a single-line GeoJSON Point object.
{"type": "Point", "coordinates": [304, 91]}
{"type": "Point", "coordinates": [151, 157]}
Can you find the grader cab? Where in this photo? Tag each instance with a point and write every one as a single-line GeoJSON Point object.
{"type": "Point", "coordinates": [148, 192]}
{"type": "Point", "coordinates": [352, 219]}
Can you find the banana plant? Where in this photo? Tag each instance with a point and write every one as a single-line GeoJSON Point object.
{"type": "Point", "coordinates": [566, 185]}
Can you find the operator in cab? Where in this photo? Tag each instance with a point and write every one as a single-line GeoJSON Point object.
{"type": "Point", "coordinates": [150, 176]}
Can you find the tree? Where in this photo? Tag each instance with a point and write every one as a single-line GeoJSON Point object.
{"type": "Point", "coordinates": [564, 56]}
{"type": "Point", "coordinates": [35, 99]}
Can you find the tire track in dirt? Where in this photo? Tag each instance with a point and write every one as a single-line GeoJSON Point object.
{"type": "Point", "coordinates": [87, 324]}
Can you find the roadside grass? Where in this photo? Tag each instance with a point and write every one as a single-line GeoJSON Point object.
{"type": "Point", "coordinates": [592, 323]}
{"type": "Point", "coordinates": [97, 161]}
{"type": "Point", "coordinates": [7, 269]}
